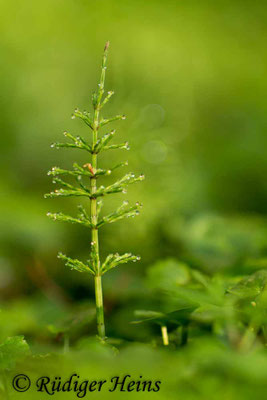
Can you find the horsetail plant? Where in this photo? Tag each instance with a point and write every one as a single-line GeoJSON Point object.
{"type": "Point", "coordinates": [94, 193]}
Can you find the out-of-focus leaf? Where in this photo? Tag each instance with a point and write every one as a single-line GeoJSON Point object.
{"type": "Point", "coordinates": [251, 286]}
{"type": "Point", "coordinates": [168, 274]}
{"type": "Point", "coordinates": [73, 322]}
{"type": "Point", "coordinates": [13, 349]}
{"type": "Point", "coordinates": [178, 317]}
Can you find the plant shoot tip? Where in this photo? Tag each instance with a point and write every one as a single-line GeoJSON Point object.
{"type": "Point", "coordinates": [107, 45]}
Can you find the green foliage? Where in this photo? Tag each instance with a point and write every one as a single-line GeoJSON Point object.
{"type": "Point", "coordinates": [233, 308]}
{"type": "Point", "coordinates": [168, 273]}
{"type": "Point", "coordinates": [75, 321]}
{"type": "Point", "coordinates": [177, 317]}
{"type": "Point", "coordinates": [199, 134]}
{"type": "Point", "coordinates": [12, 350]}
{"type": "Point", "coordinates": [113, 260]}
{"type": "Point", "coordinates": [76, 264]}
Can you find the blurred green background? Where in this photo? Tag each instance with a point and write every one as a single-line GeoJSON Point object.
{"type": "Point", "coordinates": [191, 78]}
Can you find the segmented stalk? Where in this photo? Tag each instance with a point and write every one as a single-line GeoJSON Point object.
{"type": "Point", "coordinates": [98, 279]}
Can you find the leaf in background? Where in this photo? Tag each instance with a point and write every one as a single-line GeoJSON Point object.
{"type": "Point", "coordinates": [74, 322]}
{"type": "Point", "coordinates": [251, 286]}
{"type": "Point", "coordinates": [178, 317]}
{"type": "Point", "coordinates": [168, 274]}
{"type": "Point", "coordinates": [12, 350]}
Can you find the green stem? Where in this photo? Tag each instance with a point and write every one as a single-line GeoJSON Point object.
{"type": "Point", "coordinates": [248, 338]}
{"type": "Point", "coordinates": [99, 307]}
{"type": "Point", "coordinates": [98, 278]}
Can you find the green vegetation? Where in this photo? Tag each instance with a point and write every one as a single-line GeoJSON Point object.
{"type": "Point", "coordinates": [94, 193]}
{"type": "Point", "coordinates": [191, 78]}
